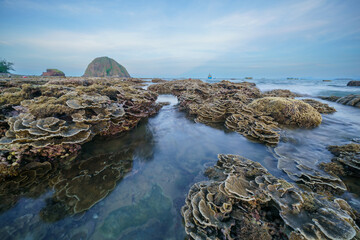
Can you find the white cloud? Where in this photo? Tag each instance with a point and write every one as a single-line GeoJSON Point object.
{"type": "Point", "coordinates": [182, 42]}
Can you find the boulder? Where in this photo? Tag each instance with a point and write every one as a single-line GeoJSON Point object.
{"type": "Point", "coordinates": [354, 83]}
{"type": "Point", "coordinates": [105, 67]}
{"type": "Point", "coordinates": [288, 111]}
{"type": "Point", "coordinates": [53, 73]}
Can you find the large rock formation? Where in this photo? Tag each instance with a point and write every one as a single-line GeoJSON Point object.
{"type": "Point", "coordinates": [105, 67]}
{"type": "Point", "coordinates": [354, 83]}
{"type": "Point", "coordinates": [53, 73]}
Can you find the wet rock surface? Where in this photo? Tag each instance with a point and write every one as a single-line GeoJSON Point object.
{"type": "Point", "coordinates": [350, 100]}
{"type": "Point", "coordinates": [353, 83]}
{"type": "Point", "coordinates": [247, 202]}
{"type": "Point", "coordinates": [241, 107]}
{"type": "Point", "coordinates": [66, 112]}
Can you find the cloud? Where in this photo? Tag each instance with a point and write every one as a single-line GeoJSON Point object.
{"type": "Point", "coordinates": [187, 40]}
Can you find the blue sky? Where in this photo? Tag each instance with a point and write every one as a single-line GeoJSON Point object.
{"type": "Point", "coordinates": [308, 38]}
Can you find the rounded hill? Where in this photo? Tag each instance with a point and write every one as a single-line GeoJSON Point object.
{"type": "Point", "coordinates": [105, 67]}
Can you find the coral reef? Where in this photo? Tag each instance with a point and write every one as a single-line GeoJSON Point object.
{"type": "Point", "coordinates": [319, 106]}
{"type": "Point", "coordinates": [247, 202]}
{"type": "Point", "coordinates": [280, 93]}
{"type": "Point", "coordinates": [241, 107]}
{"type": "Point", "coordinates": [158, 80]}
{"type": "Point", "coordinates": [67, 112]}
{"type": "Point", "coordinates": [288, 111]}
{"type": "Point", "coordinates": [348, 156]}
{"type": "Point", "coordinates": [350, 100]}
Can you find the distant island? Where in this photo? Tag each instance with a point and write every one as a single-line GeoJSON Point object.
{"type": "Point", "coordinates": [105, 67]}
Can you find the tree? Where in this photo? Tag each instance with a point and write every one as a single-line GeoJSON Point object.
{"type": "Point", "coordinates": [5, 66]}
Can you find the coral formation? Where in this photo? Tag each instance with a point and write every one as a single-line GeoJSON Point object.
{"type": "Point", "coordinates": [71, 111]}
{"type": "Point", "coordinates": [348, 156]}
{"type": "Point", "coordinates": [280, 93]}
{"type": "Point", "coordinates": [247, 202]}
{"type": "Point", "coordinates": [319, 106]}
{"type": "Point", "coordinates": [350, 100]}
{"type": "Point", "coordinates": [288, 111]}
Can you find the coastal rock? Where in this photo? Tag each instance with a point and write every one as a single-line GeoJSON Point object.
{"type": "Point", "coordinates": [319, 106]}
{"type": "Point", "coordinates": [247, 202]}
{"type": "Point", "coordinates": [69, 112]}
{"type": "Point", "coordinates": [348, 156]}
{"type": "Point", "coordinates": [350, 100]}
{"type": "Point", "coordinates": [105, 67]}
{"type": "Point", "coordinates": [353, 83]}
{"type": "Point", "coordinates": [280, 93]}
{"type": "Point", "coordinates": [53, 73]}
{"type": "Point", "coordinates": [288, 111]}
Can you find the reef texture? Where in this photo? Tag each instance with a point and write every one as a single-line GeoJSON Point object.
{"type": "Point", "coordinates": [66, 112]}
{"type": "Point", "coordinates": [319, 106]}
{"type": "Point", "coordinates": [53, 73]}
{"type": "Point", "coordinates": [350, 100]}
{"type": "Point", "coordinates": [353, 83]}
{"type": "Point", "coordinates": [241, 107]}
{"type": "Point", "coordinates": [105, 67]}
{"type": "Point", "coordinates": [346, 160]}
{"type": "Point", "coordinates": [290, 112]}
{"type": "Point", "coordinates": [244, 201]}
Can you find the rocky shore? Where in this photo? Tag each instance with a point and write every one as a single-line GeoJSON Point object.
{"type": "Point", "coordinates": [50, 121]}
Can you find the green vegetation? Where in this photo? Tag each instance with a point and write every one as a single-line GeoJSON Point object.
{"type": "Point", "coordinates": [5, 66]}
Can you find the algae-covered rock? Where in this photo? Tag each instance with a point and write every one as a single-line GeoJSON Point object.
{"type": "Point", "coordinates": [347, 155]}
{"type": "Point", "coordinates": [105, 67]}
{"type": "Point", "coordinates": [288, 111]}
{"type": "Point", "coordinates": [319, 106]}
{"type": "Point", "coordinates": [250, 203]}
{"type": "Point", "coordinates": [350, 100]}
{"type": "Point", "coordinates": [53, 73]}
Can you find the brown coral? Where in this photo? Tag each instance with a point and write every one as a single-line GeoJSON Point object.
{"type": "Point", "coordinates": [288, 111]}
{"type": "Point", "coordinates": [219, 209]}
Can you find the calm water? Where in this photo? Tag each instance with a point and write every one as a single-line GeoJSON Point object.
{"type": "Point", "coordinates": [135, 185]}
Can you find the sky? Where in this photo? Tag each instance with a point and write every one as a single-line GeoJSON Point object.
{"type": "Point", "coordinates": [308, 38]}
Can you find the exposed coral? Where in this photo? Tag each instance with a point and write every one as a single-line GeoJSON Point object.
{"type": "Point", "coordinates": [319, 106]}
{"type": "Point", "coordinates": [303, 171]}
{"type": "Point", "coordinates": [348, 156]}
{"type": "Point", "coordinates": [157, 80]}
{"type": "Point", "coordinates": [350, 100]}
{"type": "Point", "coordinates": [236, 207]}
{"type": "Point", "coordinates": [70, 111]}
{"type": "Point", "coordinates": [288, 111]}
{"type": "Point", "coordinates": [280, 93]}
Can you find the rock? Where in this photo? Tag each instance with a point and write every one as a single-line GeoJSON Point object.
{"type": "Point", "coordinates": [354, 83]}
{"type": "Point", "coordinates": [105, 67]}
{"type": "Point", "coordinates": [350, 100]}
{"type": "Point", "coordinates": [288, 111]}
{"type": "Point", "coordinates": [319, 106]}
{"type": "Point", "coordinates": [53, 73]}
{"type": "Point", "coordinates": [247, 202]}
